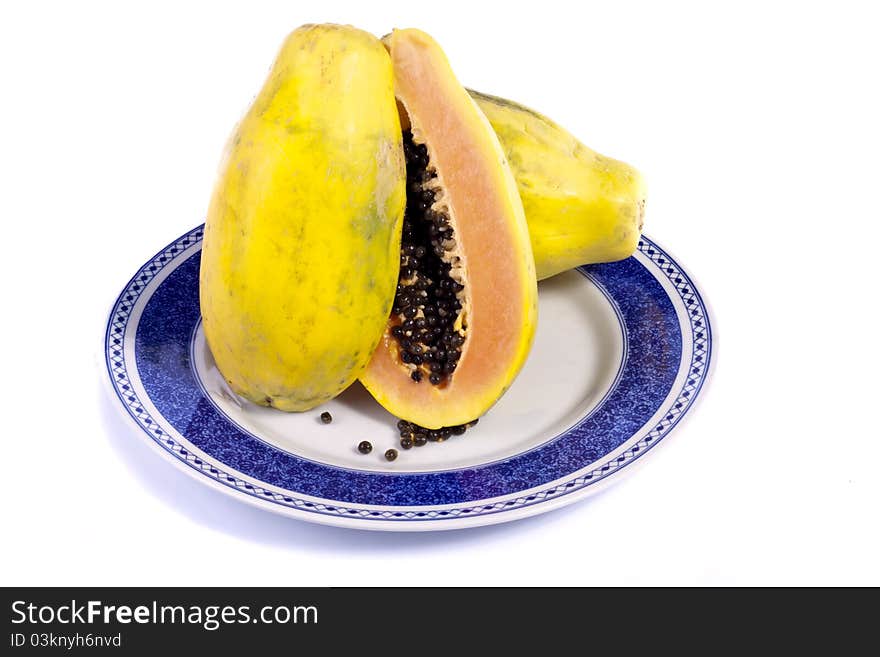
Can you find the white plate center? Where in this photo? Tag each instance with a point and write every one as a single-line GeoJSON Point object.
{"type": "Point", "coordinates": [574, 362]}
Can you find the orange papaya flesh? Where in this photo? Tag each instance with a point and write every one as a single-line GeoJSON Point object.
{"type": "Point", "coordinates": [465, 309]}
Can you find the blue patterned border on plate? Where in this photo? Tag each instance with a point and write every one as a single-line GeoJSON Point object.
{"type": "Point", "coordinates": [163, 331]}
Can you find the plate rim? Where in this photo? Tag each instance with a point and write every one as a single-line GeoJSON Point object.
{"type": "Point", "coordinates": [352, 515]}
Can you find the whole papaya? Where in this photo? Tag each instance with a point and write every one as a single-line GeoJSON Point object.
{"type": "Point", "coordinates": [581, 207]}
{"type": "Point", "coordinates": [301, 250]}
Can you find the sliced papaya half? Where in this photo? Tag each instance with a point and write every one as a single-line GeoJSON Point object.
{"type": "Point", "coordinates": [465, 309]}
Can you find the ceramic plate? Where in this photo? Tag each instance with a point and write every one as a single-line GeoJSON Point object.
{"type": "Point", "coordinates": [620, 356]}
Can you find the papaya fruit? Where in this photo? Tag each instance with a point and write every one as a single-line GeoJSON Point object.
{"type": "Point", "coordinates": [301, 250]}
{"type": "Point", "coordinates": [465, 308]}
{"type": "Point", "coordinates": [581, 207]}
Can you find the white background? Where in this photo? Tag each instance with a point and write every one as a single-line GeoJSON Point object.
{"type": "Point", "coordinates": [756, 126]}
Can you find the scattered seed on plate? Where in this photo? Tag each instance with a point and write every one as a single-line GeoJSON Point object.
{"type": "Point", "coordinates": [326, 418]}
{"type": "Point", "coordinates": [413, 435]}
{"type": "Point", "coordinates": [365, 447]}
{"type": "Point", "coordinates": [391, 455]}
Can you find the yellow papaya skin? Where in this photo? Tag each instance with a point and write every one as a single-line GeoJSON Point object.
{"type": "Point", "coordinates": [301, 250]}
{"type": "Point", "coordinates": [581, 207]}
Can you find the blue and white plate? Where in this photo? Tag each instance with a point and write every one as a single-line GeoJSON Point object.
{"type": "Point", "coordinates": [621, 354]}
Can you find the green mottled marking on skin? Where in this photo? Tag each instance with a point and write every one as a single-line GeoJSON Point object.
{"type": "Point", "coordinates": [504, 102]}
